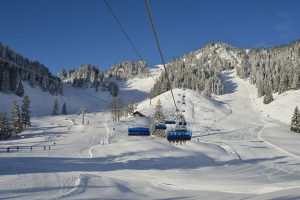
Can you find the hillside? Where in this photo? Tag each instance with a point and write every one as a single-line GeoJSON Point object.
{"type": "Point", "coordinates": [272, 70]}
{"type": "Point", "coordinates": [14, 68]}
{"type": "Point", "coordinates": [75, 97]}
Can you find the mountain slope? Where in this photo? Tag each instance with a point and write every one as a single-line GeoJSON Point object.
{"type": "Point", "coordinates": [14, 68]}
{"type": "Point", "coordinates": [275, 69]}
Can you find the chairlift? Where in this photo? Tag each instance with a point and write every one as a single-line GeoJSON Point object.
{"type": "Point", "coordinates": [161, 126]}
{"type": "Point", "coordinates": [180, 134]}
{"type": "Point", "coordinates": [181, 124]}
{"type": "Point", "coordinates": [138, 131]}
{"type": "Point", "coordinates": [170, 122]}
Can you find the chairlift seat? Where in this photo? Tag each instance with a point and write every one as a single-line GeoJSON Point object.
{"type": "Point", "coordinates": [170, 122]}
{"type": "Point", "coordinates": [138, 131]}
{"type": "Point", "coordinates": [179, 135]}
{"type": "Point", "coordinates": [161, 126]}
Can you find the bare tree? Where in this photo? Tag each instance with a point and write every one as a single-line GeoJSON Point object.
{"type": "Point", "coordinates": [116, 108]}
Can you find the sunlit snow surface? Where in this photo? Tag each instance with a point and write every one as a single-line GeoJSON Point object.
{"type": "Point", "coordinates": [237, 151]}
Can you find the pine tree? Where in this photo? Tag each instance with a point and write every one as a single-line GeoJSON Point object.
{"type": "Point", "coordinates": [17, 125]}
{"type": "Point", "coordinates": [5, 130]}
{"type": "Point", "coordinates": [55, 108]}
{"type": "Point", "coordinates": [268, 98]}
{"type": "Point", "coordinates": [32, 78]}
{"type": "Point", "coordinates": [5, 82]}
{"type": "Point", "coordinates": [295, 123]}
{"type": "Point", "coordinates": [20, 89]}
{"type": "Point", "coordinates": [64, 109]}
{"type": "Point", "coordinates": [26, 112]}
{"type": "Point", "coordinates": [159, 118]}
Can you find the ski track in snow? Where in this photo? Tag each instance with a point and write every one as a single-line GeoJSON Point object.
{"type": "Point", "coordinates": [276, 147]}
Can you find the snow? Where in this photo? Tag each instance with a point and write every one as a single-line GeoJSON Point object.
{"type": "Point", "coordinates": [281, 109]}
{"type": "Point", "coordinates": [237, 151]}
{"type": "Point", "coordinates": [42, 103]}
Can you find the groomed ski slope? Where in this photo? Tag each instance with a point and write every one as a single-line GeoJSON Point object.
{"type": "Point", "coordinates": [237, 152]}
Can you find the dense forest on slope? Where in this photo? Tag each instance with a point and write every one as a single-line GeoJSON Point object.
{"type": "Point", "coordinates": [128, 69]}
{"type": "Point", "coordinates": [14, 68]}
{"type": "Point", "coordinates": [32, 71]}
{"type": "Point", "coordinates": [274, 69]}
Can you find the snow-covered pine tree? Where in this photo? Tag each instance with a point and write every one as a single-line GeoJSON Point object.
{"type": "Point", "coordinates": [159, 118]}
{"type": "Point", "coordinates": [5, 82]}
{"type": "Point", "coordinates": [260, 88]}
{"type": "Point", "coordinates": [295, 123]}
{"type": "Point", "coordinates": [14, 78]}
{"type": "Point", "coordinates": [207, 89]}
{"type": "Point", "coordinates": [55, 108]}
{"type": "Point", "coordinates": [26, 112]}
{"type": "Point", "coordinates": [44, 83]}
{"type": "Point", "coordinates": [17, 125]}
{"type": "Point", "coordinates": [64, 109]}
{"type": "Point", "coordinates": [32, 78]}
{"type": "Point", "coordinates": [113, 88]}
{"type": "Point", "coordinates": [5, 130]}
{"type": "Point", "coordinates": [20, 89]}
{"type": "Point", "coordinates": [268, 98]}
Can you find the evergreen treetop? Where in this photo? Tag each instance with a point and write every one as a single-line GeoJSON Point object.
{"type": "Point", "coordinates": [295, 123]}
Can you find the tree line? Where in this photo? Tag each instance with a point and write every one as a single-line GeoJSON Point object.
{"type": "Point", "coordinates": [35, 73]}
{"type": "Point", "coordinates": [275, 69]}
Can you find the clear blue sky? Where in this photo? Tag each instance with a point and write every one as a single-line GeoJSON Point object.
{"type": "Point", "coordinates": [68, 33]}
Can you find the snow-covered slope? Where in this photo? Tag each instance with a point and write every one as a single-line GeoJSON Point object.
{"type": "Point", "coordinates": [281, 109]}
{"type": "Point", "coordinates": [41, 103]}
{"type": "Point", "coordinates": [134, 90]}
{"type": "Point", "coordinates": [236, 153]}
{"type": "Point", "coordinates": [137, 89]}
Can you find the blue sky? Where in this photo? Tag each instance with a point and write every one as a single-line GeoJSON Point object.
{"type": "Point", "coordinates": [68, 33]}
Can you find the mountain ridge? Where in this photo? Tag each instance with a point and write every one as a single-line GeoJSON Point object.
{"type": "Point", "coordinates": [274, 69]}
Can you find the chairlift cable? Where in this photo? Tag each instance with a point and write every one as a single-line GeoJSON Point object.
{"type": "Point", "coordinates": [159, 48]}
{"type": "Point", "coordinates": [122, 29]}
{"type": "Point", "coordinates": [118, 21]}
